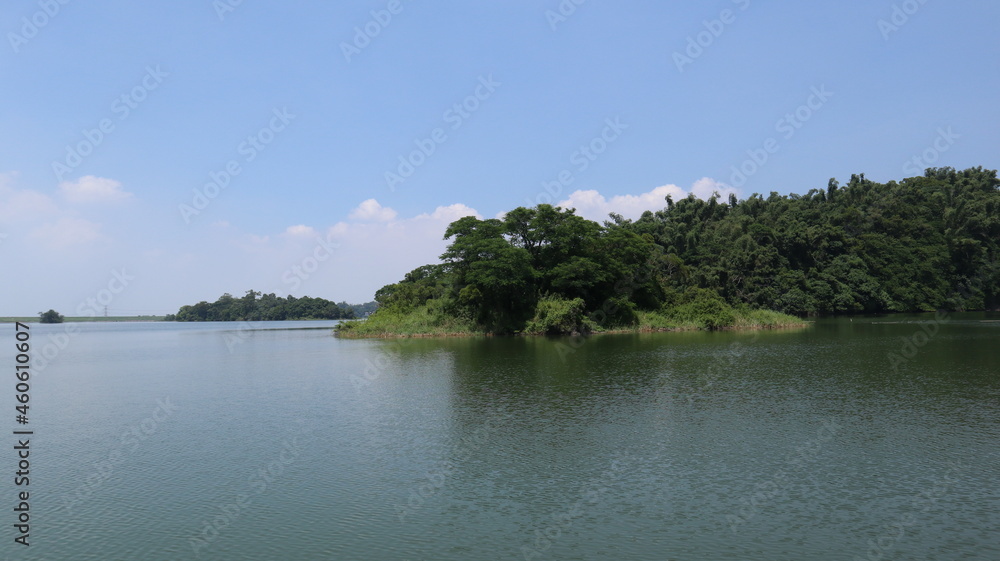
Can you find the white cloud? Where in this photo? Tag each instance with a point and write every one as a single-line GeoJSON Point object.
{"type": "Point", "coordinates": [450, 213]}
{"type": "Point", "coordinates": [26, 205]}
{"type": "Point", "coordinates": [301, 230]}
{"type": "Point", "coordinates": [23, 204]}
{"type": "Point", "coordinates": [91, 189]}
{"type": "Point", "coordinates": [704, 187]}
{"type": "Point", "coordinates": [67, 232]}
{"type": "Point", "coordinates": [592, 205]}
{"type": "Point", "coordinates": [372, 210]}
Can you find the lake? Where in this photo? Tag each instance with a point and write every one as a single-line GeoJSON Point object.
{"type": "Point", "coordinates": [856, 438]}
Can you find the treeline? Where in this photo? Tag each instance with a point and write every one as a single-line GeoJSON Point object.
{"type": "Point", "coordinates": [919, 244]}
{"type": "Point", "coordinates": [254, 306]}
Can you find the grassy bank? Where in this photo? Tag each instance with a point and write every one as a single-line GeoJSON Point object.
{"type": "Point", "coordinates": [556, 316]}
{"type": "Point", "coordinates": [419, 322]}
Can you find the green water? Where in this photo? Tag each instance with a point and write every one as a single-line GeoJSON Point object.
{"type": "Point", "coordinates": [214, 441]}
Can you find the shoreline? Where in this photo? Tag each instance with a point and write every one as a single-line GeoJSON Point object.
{"type": "Point", "coordinates": [646, 329]}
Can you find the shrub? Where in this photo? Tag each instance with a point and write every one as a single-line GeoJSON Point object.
{"type": "Point", "coordinates": [50, 316]}
{"type": "Point", "coordinates": [705, 308]}
{"type": "Point", "coordinates": [555, 315]}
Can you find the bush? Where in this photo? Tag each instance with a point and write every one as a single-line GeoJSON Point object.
{"type": "Point", "coordinates": [620, 312]}
{"type": "Point", "coordinates": [555, 315]}
{"type": "Point", "coordinates": [704, 308]}
{"type": "Point", "coordinates": [50, 316]}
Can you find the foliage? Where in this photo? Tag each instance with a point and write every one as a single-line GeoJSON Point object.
{"type": "Point", "coordinates": [554, 315]}
{"type": "Point", "coordinates": [920, 244]}
{"type": "Point", "coordinates": [429, 318]}
{"type": "Point", "coordinates": [703, 308]}
{"type": "Point", "coordinates": [50, 316]}
{"type": "Point", "coordinates": [254, 306]}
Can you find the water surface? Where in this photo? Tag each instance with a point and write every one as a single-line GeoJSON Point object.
{"type": "Point", "coordinates": [855, 438]}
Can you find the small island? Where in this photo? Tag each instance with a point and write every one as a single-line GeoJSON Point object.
{"type": "Point", "coordinates": [547, 271]}
{"type": "Point", "coordinates": [921, 244]}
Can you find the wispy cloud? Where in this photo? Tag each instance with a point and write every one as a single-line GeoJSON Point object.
{"type": "Point", "coordinates": [301, 230]}
{"type": "Point", "coordinates": [91, 189]}
{"type": "Point", "coordinates": [67, 232]}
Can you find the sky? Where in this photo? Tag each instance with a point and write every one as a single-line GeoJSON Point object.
{"type": "Point", "coordinates": [159, 154]}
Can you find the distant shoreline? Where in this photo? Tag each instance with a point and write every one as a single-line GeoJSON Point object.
{"type": "Point", "coordinates": [83, 319]}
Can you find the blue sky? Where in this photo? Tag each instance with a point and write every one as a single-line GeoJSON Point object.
{"type": "Point", "coordinates": [311, 104]}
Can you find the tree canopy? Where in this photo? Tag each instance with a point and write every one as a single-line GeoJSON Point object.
{"type": "Point", "coordinates": [920, 244]}
{"type": "Point", "coordinates": [50, 316]}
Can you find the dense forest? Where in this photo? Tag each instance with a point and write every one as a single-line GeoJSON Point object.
{"type": "Point", "coordinates": [254, 306]}
{"type": "Point", "coordinates": [920, 244]}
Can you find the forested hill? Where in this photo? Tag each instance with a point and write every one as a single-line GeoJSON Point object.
{"type": "Point", "coordinates": [254, 306]}
{"type": "Point", "coordinates": [920, 244]}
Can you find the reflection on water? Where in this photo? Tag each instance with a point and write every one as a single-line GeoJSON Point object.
{"type": "Point", "coordinates": [291, 443]}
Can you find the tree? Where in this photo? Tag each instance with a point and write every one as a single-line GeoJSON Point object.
{"type": "Point", "coordinates": [493, 278]}
{"type": "Point", "coordinates": [255, 306]}
{"type": "Point", "coordinates": [50, 316]}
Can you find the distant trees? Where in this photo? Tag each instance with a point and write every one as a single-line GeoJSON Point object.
{"type": "Point", "coordinates": [254, 306]}
{"type": "Point", "coordinates": [50, 316]}
{"type": "Point", "coordinates": [360, 310]}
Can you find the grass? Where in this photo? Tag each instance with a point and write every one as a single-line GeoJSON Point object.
{"type": "Point", "coordinates": [423, 321]}
{"type": "Point", "coordinates": [554, 318]}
